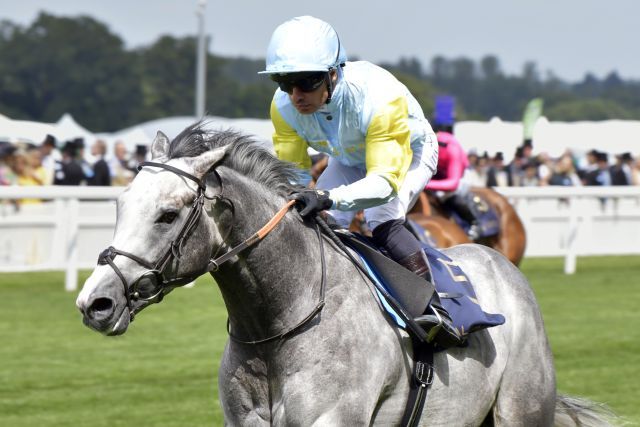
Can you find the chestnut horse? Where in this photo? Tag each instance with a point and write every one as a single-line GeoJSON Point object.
{"type": "Point", "coordinates": [511, 240]}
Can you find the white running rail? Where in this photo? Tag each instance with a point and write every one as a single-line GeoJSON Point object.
{"type": "Point", "coordinates": [69, 230]}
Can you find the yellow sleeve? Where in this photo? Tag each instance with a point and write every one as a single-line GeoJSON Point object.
{"type": "Point", "coordinates": [388, 143]}
{"type": "Point", "coordinates": [289, 146]}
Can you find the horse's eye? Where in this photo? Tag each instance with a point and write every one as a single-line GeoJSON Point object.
{"type": "Point", "coordinates": [167, 217]}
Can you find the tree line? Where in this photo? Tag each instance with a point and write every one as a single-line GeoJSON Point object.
{"type": "Point", "coordinates": [77, 65]}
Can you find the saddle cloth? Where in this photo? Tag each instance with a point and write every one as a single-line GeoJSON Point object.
{"type": "Point", "coordinates": [421, 233]}
{"type": "Point", "coordinates": [487, 217]}
{"type": "Point", "coordinates": [456, 293]}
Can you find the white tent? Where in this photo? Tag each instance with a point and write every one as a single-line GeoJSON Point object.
{"type": "Point", "coordinates": [34, 132]}
{"type": "Point", "coordinates": [23, 130]}
{"type": "Point", "coordinates": [492, 136]}
{"type": "Point", "coordinates": [67, 128]}
{"type": "Point", "coordinates": [553, 138]}
{"type": "Point", "coordinates": [261, 129]}
{"type": "Point", "coordinates": [611, 136]}
{"type": "Point", "coordinates": [130, 137]}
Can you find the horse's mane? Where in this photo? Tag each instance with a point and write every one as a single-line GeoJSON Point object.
{"type": "Point", "coordinates": [244, 155]}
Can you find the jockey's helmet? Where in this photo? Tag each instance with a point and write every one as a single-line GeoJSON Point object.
{"type": "Point", "coordinates": [304, 44]}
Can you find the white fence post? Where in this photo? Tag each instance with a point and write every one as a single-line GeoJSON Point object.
{"type": "Point", "coordinates": [71, 276]}
{"type": "Point", "coordinates": [59, 243]}
{"type": "Point", "coordinates": [572, 234]}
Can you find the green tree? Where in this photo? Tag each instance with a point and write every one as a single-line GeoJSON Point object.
{"type": "Point", "coordinates": [423, 92]}
{"type": "Point", "coordinates": [76, 65]}
{"type": "Point", "coordinates": [588, 109]}
{"type": "Point", "coordinates": [73, 65]}
{"type": "Point", "coordinates": [167, 70]}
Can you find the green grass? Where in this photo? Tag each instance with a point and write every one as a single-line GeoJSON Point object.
{"type": "Point", "coordinates": [162, 372]}
{"type": "Point", "coordinates": [593, 326]}
{"type": "Point", "coordinates": [57, 372]}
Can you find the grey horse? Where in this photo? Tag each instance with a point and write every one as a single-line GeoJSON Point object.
{"type": "Point", "coordinates": [309, 343]}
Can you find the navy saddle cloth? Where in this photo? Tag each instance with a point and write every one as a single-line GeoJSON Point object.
{"type": "Point", "coordinates": [457, 294]}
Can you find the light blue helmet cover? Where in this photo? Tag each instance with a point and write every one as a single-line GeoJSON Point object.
{"type": "Point", "coordinates": [304, 44]}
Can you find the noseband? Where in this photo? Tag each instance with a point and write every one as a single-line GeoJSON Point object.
{"type": "Point", "coordinates": [153, 285]}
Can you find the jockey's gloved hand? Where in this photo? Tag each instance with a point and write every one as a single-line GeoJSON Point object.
{"type": "Point", "coordinates": [310, 202]}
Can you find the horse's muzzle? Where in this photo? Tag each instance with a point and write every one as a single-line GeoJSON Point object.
{"type": "Point", "coordinates": [101, 314]}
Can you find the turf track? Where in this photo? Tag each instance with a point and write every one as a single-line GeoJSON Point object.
{"type": "Point", "coordinates": [162, 372]}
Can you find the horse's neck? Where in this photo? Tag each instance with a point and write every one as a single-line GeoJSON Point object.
{"type": "Point", "coordinates": [274, 284]}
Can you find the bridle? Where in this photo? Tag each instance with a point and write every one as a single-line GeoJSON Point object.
{"type": "Point", "coordinates": [153, 285]}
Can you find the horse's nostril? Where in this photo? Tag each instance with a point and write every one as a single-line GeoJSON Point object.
{"type": "Point", "coordinates": [100, 307]}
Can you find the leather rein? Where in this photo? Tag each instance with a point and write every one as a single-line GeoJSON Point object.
{"type": "Point", "coordinates": [153, 285]}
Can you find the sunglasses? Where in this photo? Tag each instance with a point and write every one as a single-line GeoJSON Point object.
{"type": "Point", "coordinates": [306, 82]}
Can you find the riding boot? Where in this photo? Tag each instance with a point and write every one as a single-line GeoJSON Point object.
{"type": "Point", "coordinates": [459, 205]}
{"type": "Point", "coordinates": [436, 322]}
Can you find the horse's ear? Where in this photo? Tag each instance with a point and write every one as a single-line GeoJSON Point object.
{"type": "Point", "coordinates": [160, 146]}
{"type": "Point", "coordinates": [204, 162]}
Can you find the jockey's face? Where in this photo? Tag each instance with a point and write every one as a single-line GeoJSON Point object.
{"type": "Point", "coordinates": [309, 101]}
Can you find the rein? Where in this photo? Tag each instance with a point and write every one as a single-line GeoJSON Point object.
{"type": "Point", "coordinates": [214, 264]}
{"type": "Point", "coordinates": [318, 308]}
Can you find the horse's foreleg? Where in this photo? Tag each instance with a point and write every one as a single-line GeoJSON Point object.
{"type": "Point", "coordinates": [244, 393]}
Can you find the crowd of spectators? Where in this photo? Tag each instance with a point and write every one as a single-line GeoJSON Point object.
{"type": "Point", "coordinates": [527, 169]}
{"type": "Point", "coordinates": [50, 163]}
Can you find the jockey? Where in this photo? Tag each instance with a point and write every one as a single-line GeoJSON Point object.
{"type": "Point", "coordinates": [448, 184]}
{"type": "Point", "coordinates": [382, 151]}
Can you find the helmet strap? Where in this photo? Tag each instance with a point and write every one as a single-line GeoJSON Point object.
{"type": "Point", "coordinates": [330, 86]}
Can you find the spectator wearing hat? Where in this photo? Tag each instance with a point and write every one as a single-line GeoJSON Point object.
{"type": "Point", "coordinates": [515, 169]}
{"type": "Point", "coordinates": [620, 176]}
{"type": "Point", "coordinates": [87, 168]}
{"type": "Point", "coordinates": [68, 171]}
{"type": "Point", "coordinates": [601, 175]}
{"type": "Point", "coordinates": [589, 164]}
{"type": "Point", "coordinates": [140, 156]}
{"type": "Point", "coordinates": [496, 174]}
{"type": "Point", "coordinates": [527, 150]}
{"type": "Point", "coordinates": [101, 171]}
{"type": "Point", "coordinates": [627, 166]}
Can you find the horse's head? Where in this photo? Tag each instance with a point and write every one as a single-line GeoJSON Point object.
{"type": "Point", "coordinates": [161, 239]}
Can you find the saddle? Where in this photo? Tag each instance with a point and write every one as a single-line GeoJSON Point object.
{"type": "Point", "coordinates": [414, 293]}
{"type": "Point", "coordinates": [486, 215]}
